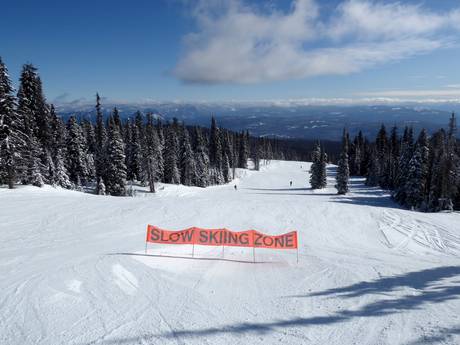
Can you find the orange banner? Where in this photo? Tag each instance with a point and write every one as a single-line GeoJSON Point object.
{"type": "Point", "coordinates": [222, 237]}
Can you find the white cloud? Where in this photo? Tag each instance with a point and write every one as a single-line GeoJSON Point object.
{"type": "Point", "coordinates": [444, 94]}
{"type": "Point", "coordinates": [237, 43]}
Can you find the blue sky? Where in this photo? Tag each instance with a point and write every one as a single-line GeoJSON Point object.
{"type": "Point", "coordinates": [236, 49]}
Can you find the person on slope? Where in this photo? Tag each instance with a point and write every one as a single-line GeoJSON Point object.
{"type": "Point", "coordinates": [235, 187]}
{"type": "Point", "coordinates": [290, 183]}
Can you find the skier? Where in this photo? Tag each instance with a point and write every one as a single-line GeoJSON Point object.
{"type": "Point", "coordinates": [290, 183]}
{"type": "Point", "coordinates": [235, 187]}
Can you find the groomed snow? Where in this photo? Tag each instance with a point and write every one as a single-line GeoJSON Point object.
{"type": "Point", "coordinates": [73, 269]}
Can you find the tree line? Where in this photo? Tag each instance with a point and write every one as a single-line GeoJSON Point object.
{"type": "Point", "coordinates": [422, 173]}
{"type": "Point", "coordinates": [37, 147]}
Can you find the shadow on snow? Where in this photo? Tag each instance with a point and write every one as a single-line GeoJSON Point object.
{"type": "Point", "coordinates": [426, 285]}
{"type": "Point", "coordinates": [195, 258]}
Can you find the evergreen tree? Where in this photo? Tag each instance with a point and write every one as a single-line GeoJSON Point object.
{"type": "Point", "coordinates": [32, 111]}
{"type": "Point", "coordinates": [76, 156]}
{"type": "Point", "coordinates": [161, 140]}
{"type": "Point", "coordinates": [171, 156]}
{"type": "Point", "coordinates": [90, 136]}
{"type": "Point", "coordinates": [381, 146]}
{"type": "Point", "coordinates": [372, 177]}
{"type": "Point", "coordinates": [100, 188]}
{"type": "Point", "coordinates": [187, 162]}
{"type": "Point", "coordinates": [343, 173]}
{"type": "Point", "coordinates": [243, 151]}
{"type": "Point", "coordinates": [61, 177]}
{"type": "Point", "coordinates": [226, 157]}
{"type": "Point", "coordinates": [215, 153]}
{"type": "Point", "coordinates": [101, 141]}
{"type": "Point", "coordinates": [115, 180]}
{"type": "Point", "coordinates": [201, 159]}
{"type": "Point", "coordinates": [318, 168]}
{"type": "Point", "coordinates": [33, 104]}
{"type": "Point", "coordinates": [393, 158]}
{"type": "Point", "coordinates": [323, 171]}
{"type": "Point", "coordinates": [134, 150]}
{"type": "Point", "coordinates": [407, 151]}
{"type": "Point", "coordinates": [452, 164]}
{"type": "Point", "coordinates": [417, 174]}
{"type": "Point", "coordinates": [151, 160]}
{"type": "Point", "coordinates": [13, 138]}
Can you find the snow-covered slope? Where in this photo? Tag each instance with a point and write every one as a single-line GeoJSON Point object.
{"type": "Point", "coordinates": [73, 269]}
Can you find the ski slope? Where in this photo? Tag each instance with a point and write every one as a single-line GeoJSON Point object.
{"type": "Point", "coordinates": [73, 268]}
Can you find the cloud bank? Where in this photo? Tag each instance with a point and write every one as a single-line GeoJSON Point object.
{"type": "Point", "coordinates": [239, 43]}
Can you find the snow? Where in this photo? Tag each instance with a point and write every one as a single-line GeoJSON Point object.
{"type": "Point", "coordinates": [73, 268]}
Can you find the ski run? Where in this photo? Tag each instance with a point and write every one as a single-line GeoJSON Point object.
{"type": "Point", "coordinates": [73, 268]}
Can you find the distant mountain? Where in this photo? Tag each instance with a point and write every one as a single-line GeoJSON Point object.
{"type": "Point", "coordinates": [286, 120]}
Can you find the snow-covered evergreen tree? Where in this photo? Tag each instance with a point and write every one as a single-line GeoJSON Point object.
{"type": "Point", "coordinates": [407, 151]}
{"type": "Point", "coordinates": [134, 148]}
{"type": "Point", "coordinates": [381, 147]}
{"type": "Point", "coordinates": [76, 153]}
{"type": "Point", "coordinates": [215, 154]}
{"type": "Point", "coordinates": [226, 157]}
{"type": "Point", "coordinates": [115, 180]}
{"type": "Point", "coordinates": [416, 181]}
{"type": "Point", "coordinates": [343, 172]}
{"type": "Point", "coordinates": [171, 156]}
{"type": "Point", "coordinates": [393, 158]}
{"type": "Point", "coordinates": [201, 159]}
{"type": "Point", "coordinates": [100, 188]}
{"type": "Point", "coordinates": [61, 177]}
{"type": "Point", "coordinates": [243, 154]}
{"type": "Point", "coordinates": [372, 177]}
{"type": "Point", "coordinates": [318, 168]}
{"type": "Point", "coordinates": [187, 160]}
{"type": "Point", "coordinates": [151, 160]}
{"type": "Point", "coordinates": [101, 141]}
{"type": "Point", "coordinates": [13, 139]}
{"type": "Point", "coordinates": [36, 177]}
{"type": "Point", "coordinates": [323, 170]}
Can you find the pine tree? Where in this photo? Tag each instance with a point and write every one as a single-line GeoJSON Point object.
{"type": "Point", "coordinates": [13, 138]}
{"type": "Point", "coordinates": [187, 160]}
{"type": "Point", "coordinates": [381, 146]}
{"type": "Point", "coordinates": [100, 188]}
{"type": "Point", "coordinates": [407, 151]}
{"type": "Point", "coordinates": [243, 151]}
{"type": "Point", "coordinates": [452, 164]}
{"type": "Point", "coordinates": [393, 158]}
{"type": "Point", "coordinates": [343, 173]}
{"type": "Point", "coordinates": [151, 158]}
{"type": "Point", "coordinates": [372, 176]}
{"type": "Point", "coordinates": [323, 171]}
{"type": "Point", "coordinates": [134, 148]}
{"type": "Point", "coordinates": [415, 188]}
{"type": "Point", "coordinates": [115, 180]}
{"type": "Point", "coordinates": [31, 109]}
{"type": "Point", "coordinates": [215, 154]}
{"type": "Point", "coordinates": [76, 156]}
{"type": "Point", "coordinates": [61, 177]}
{"type": "Point", "coordinates": [437, 197]}
{"type": "Point", "coordinates": [101, 141]}
{"type": "Point", "coordinates": [36, 178]}
{"type": "Point", "coordinates": [226, 157]}
{"type": "Point", "coordinates": [318, 168]}
{"type": "Point", "coordinates": [202, 160]}
{"type": "Point", "coordinates": [171, 156]}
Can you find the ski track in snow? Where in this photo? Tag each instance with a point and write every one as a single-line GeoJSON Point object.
{"type": "Point", "coordinates": [74, 271]}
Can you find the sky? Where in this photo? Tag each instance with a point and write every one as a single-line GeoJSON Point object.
{"type": "Point", "coordinates": [236, 50]}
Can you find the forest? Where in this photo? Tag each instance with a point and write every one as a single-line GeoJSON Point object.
{"type": "Point", "coordinates": [102, 155]}
{"type": "Point", "coordinates": [422, 173]}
